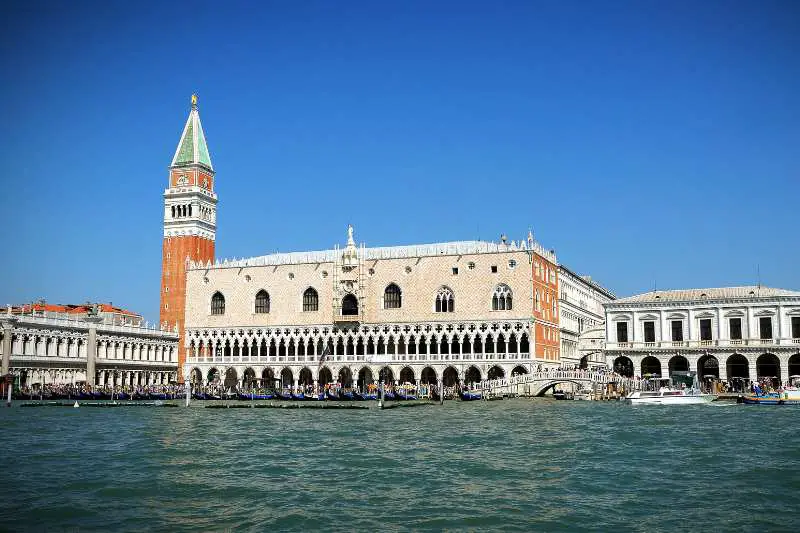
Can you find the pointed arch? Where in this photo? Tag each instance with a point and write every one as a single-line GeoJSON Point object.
{"type": "Point", "coordinates": [310, 299]}
{"type": "Point", "coordinates": [502, 298]}
{"type": "Point", "coordinates": [349, 305]}
{"type": "Point", "coordinates": [392, 297]}
{"type": "Point", "coordinates": [524, 346]}
{"type": "Point", "coordinates": [262, 302]}
{"type": "Point", "coordinates": [488, 344]}
{"type": "Point", "coordinates": [445, 300]}
{"type": "Point", "coordinates": [217, 304]}
{"type": "Point", "coordinates": [466, 345]}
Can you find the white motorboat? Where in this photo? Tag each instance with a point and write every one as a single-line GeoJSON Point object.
{"type": "Point", "coordinates": [583, 394]}
{"type": "Point", "coordinates": [669, 396]}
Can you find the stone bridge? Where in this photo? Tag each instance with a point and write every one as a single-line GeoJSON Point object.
{"type": "Point", "coordinates": [537, 383]}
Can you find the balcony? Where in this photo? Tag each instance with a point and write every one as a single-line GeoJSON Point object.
{"type": "Point", "coordinates": [716, 343]}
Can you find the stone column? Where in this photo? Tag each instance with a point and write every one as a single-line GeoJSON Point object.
{"type": "Point", "coordinates": [8, 331]}
{"type": "Point", "coordinates": [91, 349]}
{"type": "Point", "coordinates": [784, 370]}
{"type": "Point", "coordinates": [751, 367]}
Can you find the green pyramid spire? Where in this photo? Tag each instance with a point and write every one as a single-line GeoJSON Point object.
{"type": "Point", "coordinates": [192, 148]}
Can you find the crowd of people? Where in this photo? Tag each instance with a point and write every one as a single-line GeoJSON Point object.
{"type": "Point", "coordinates": [67, 391]}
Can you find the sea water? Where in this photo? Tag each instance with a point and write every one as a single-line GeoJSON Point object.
{"type": "Point", "coordinates": [513, 465]}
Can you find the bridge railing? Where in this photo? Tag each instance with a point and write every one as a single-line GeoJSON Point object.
{"type": "Point", "coordinates": [588, 377]}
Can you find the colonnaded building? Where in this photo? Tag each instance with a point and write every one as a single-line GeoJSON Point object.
{"type": "Point", "coordinates": [96, 344]}
{"type": "Point", "coordinates": [745, 333]}
{"type": "Point", "coordinates": [453, 311]}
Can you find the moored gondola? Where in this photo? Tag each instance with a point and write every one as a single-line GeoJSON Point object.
{"type": "Point", "coordinates": [469, 396]}
{"type": "Point", "coordinates": [405, 396]}
{"type": "Point", "coordinates": [332, 396]}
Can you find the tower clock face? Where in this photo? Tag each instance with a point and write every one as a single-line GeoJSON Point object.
{"type": "Point", "coordinates": [182, 180]}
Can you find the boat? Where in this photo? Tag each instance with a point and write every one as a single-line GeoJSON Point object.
{"type": "Point", "coordinates": [299, 396]}
{"type": "Point", "coordinates": [561, 395]}
{"type": "Point", "coordinates": [332, 396]}
{"type": "Point", "coordinates": [405, 396]}
{"type": "Point", "coordinates": [283, 395]}
{"type": "Point", "coordinates": [316, 397]}
{"type": "Point", "coordinates": [389, 396]}
{"type": "Point", "coordinates": [254, 396]}
{"type": "Point", "coordinates": [346, 395]}
{"type": "Point", "coordinates": [467, 396]}
{"type": "Point", "coordinates": [583, 394]}
{"type": "Point", "coordinates": [788, 396]}
{"type": "Point", "coordinates": [157, 396]}
{"type": "Point", "coordinates": [669, 396]}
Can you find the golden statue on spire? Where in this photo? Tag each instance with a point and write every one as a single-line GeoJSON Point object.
{"type": "Point", "coordinates": [194, 100]}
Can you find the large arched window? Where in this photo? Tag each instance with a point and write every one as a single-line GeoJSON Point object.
{"type": "Point", "coordinates": [349, 305]}
{"type": "Point", "coordinates": [502, 298]}
{"type": "Point", "coordinates": [262, 301]}
{"type": "Point", "coordinates": [310, 300]}
{"type": "Point", "coordinates": [218, 304]}
{"type": "Point", "coordinates": [445, 301]}
{"type": "Point", "coordinates": [392, 297]}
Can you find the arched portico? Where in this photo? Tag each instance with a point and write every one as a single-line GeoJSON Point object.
{"type": "Point", "coordinates": [768, 367]}
{"type": "Point", "coordinates": [707, 368]}
{"type": "Point", "coordinates": [213, 375]}
{"type": "Point", "coordinates": [472, 375]}
{"type": "Point", "coordinates": [519, 370]}
{"type": "Point", "coordinates": [678, 363]}
{"type": "Point", "coordinates": [386, 375]}
{"type": "Point", "coordinates": [346, 377]}
{"type": "Point", "coordinates": [325, 376]}
{"type": "Point", "coordinates": [407, 375]}
{"type": "Point", "coordinates": [496, 372]}
{"type": "Point", "coordinates": [623, 366]}
{"type": "Point", "coordinates": [428, 376]}
{"type": "Point", "coordinates": [305, 378]}
{"type": "Point", "coordinates": [450, 376]}
{"type": "Point", "coordinates": [287, 377]}
{"type": "Point", "coordinates": [651, 367]}
{"type": "Point", "coordinates": [365, 378]}
{"type": "Point", "coordinates": [794, 367]}
{"type": "Point", "coordinates": [738, 370]}
{"type": "Point", "coordinates": [231, 378]}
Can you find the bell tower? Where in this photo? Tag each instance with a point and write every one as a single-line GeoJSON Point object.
{"type": "Point", "coordinates": [190, 222]}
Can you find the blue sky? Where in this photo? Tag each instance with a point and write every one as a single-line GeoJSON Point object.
{"type": "Point", "coordinates": [648, 142]}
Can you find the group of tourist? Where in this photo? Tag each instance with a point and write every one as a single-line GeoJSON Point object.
{"type": "Point", "coordinates": [67, 391]}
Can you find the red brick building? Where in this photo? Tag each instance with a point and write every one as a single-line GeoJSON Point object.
{"type": "Point", "coordinates": [545, 306]}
